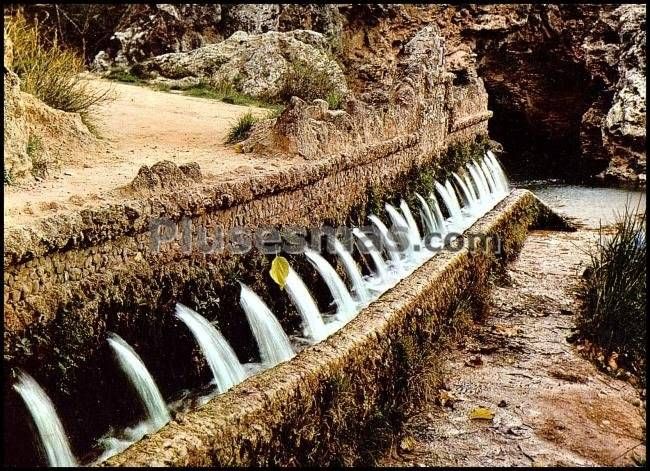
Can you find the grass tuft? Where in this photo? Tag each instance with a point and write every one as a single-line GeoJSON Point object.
{"type": "Point", "coordinates": [242, 128]}
{"type": "Point", "coordinates": [306, 81]}
{"type": "Point", "coordinates": [49, 72]}
{"type": "Point", "coordinates": [614, 291]}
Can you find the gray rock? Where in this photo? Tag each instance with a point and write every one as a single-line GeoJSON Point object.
{"type": "Point", "coordinates": [255, 64]}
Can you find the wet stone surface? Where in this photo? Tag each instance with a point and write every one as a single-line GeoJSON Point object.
{"type": "Point", "coordinates": [551, 406]}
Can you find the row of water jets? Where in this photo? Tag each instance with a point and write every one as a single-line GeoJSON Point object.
{"type": "Point", "coordinates": [467, 196]}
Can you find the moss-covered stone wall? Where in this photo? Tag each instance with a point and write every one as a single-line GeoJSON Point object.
{"type": "Point", "coordinates": [322, 406]}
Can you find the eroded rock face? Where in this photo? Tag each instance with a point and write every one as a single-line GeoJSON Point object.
{"type": "Point", "coordinates": [152, 29]}
{"type": "Point", "coordinates": [255, 64]}
{"type": "Point", "coordinates": [17, 163]}
{"type": "Point", "coordinates": [251, 18]}
{"type": "Point", "coordinates": [34, 133]}
{"type": "Point", "coordinates": [624, 127]}
{"type": "Point", "coordinates": [559, 78]}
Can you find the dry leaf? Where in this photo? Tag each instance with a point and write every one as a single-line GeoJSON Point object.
{"type": "Point", "coordinates": [279, 270]}
{"type": "Point", "coordinates": [407, 443]}
{"type": "Point", "coordinates": [481, 413]}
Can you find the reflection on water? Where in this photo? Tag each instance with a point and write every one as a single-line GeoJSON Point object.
{"type": "Point", "coordinates": [588, 205]}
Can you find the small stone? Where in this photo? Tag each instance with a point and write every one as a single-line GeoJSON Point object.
{"type": "Point", "coordinates": [502, 403]}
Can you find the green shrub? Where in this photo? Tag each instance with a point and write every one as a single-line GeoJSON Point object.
{"type": "Point", "coordinates": [614, 291]}
{"type": "Point", "coordinates": [242, 128]}
{"type": "Point", "coordinates": [50, 72]}
{"type": "Point", "coordinates": [308, 82]}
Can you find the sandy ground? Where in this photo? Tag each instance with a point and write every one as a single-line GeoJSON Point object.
{"type": "Point", "coordinates": [551, 406]}
{"type": "Point", "coordinates": [141, 126]}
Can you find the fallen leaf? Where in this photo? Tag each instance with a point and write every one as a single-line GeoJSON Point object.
{"type": "Point", "coordinates": [481, 413]}
{"type": "Point", "coordinates": [407, 443]}
{"type": "Point", "coordinates": [279, 271]}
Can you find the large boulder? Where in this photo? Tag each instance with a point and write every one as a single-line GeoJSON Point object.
{"type": "Point", "coordinates": [255, 64]}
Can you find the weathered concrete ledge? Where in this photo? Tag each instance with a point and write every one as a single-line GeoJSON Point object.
{"type": "Point", "coordinates": [284, 416]}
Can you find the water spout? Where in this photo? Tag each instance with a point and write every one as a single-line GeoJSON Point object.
{"type": "Point", "coordinates": [404, 232]}
{"type": "Point", "coordinates": [351, 268]}
{"type": "Point", "coordinates": [389, 243]}
{"type": "Point", "coordinates": [440, 221]}
{"type": "Point", "coordinates": [427, 215]}
{"type": "Point", "coordinates": [49, 427]}
{"type": "Point", "coordinates": [381, 270]}
{"type": "Point", "coordinates": [222, 360]}
{"type": "Point", "coordinates": [448, 197]}
{"type": "Point", "coordinates": [140, 378]}
{"type": "Point", "coordinates": [414, 231]}
{"type": "Point", "coordinates": [346, 307]}
{"type": "Point", "coordinates": [313, 325]}
{"type": "Point", "coordinates": [273, 343]}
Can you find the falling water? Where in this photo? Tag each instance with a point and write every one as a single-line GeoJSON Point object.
{"type": "Point", "coordinates": [346, 307]}
{"type": "Point", "coordinates": [380, 264]}
{"type": "Point", "coordinates": [498, 170]}
{"type": "Point", "coordinates": [226, 368]}
{"type": "Point", "coordinates": [389, 243]}
{"type": "Point", "coordinates": [467, 194]}
{"type": "Point", "coordinates": [403, 231]}
{"type": "Point", "coordinates": [488, 176]}
{"type": "Point", "coordinates": [450, 202]}
{"type": "Point", "coordinates": [452, 192]}
{"type": "Point", "coordinates": [440, 221]}
{"type": "Point", "coordinates": [481, 186]}
{"type": "Point", "coordinates": [351, 268]}
{"type": "Point", "coordinates": [49, 427]}
{"type": "Point", "coordinates": [272, 342]}
{"type": "Point", "coordinates": [313, 324]}
{"type": "Point", "coordinates": [145, 386]}
{"type": "Point", "coordinates": [414, 231]}
{"type": "Point", "coordinates": [427, 215]}
{"type": "Point", "coordinates": [467, 178]}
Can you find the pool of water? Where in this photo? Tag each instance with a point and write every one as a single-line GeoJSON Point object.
{"type": "Point", "coordinates": [586, 205]}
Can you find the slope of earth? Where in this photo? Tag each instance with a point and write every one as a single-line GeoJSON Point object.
{"type": "Point", "coordinates": [140, 127]}
{"type": "Point", "coordinates": [551, 406]}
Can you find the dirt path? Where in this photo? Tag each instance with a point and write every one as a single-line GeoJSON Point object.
{"type": "Point", "coordinates": [141, 126]}
{"type": "Point", "coordinates": [552, 407]}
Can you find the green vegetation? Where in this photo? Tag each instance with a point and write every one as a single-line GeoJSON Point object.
{"type": "Point", "coordinates": [226, 92]}
{"type": "Point", "coordinates": [614, 292]}
{"type": "Point", "coordinates": [50, 72]}
{"type": "Point", "coordinates": [306, 81]}
{"type": "Point", "coordinates": [334, 100]}
{"type": "Point", "coordinates": [122, 75]}
{"type": "Point", "coordinates": [242, 128]}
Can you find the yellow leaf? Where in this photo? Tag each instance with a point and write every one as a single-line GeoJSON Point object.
{"type": "Point", "coordinates": [481, 413]}
{"type": "Point", "coordinates": [407, 443]}
{"type": "Point", "coordinates": [280, 270]}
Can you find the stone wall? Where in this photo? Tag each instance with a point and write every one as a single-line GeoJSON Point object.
{"type": "Point", "coordinates": [72, 277]}
{"type": "Point", "coordinates": [287, 415]}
